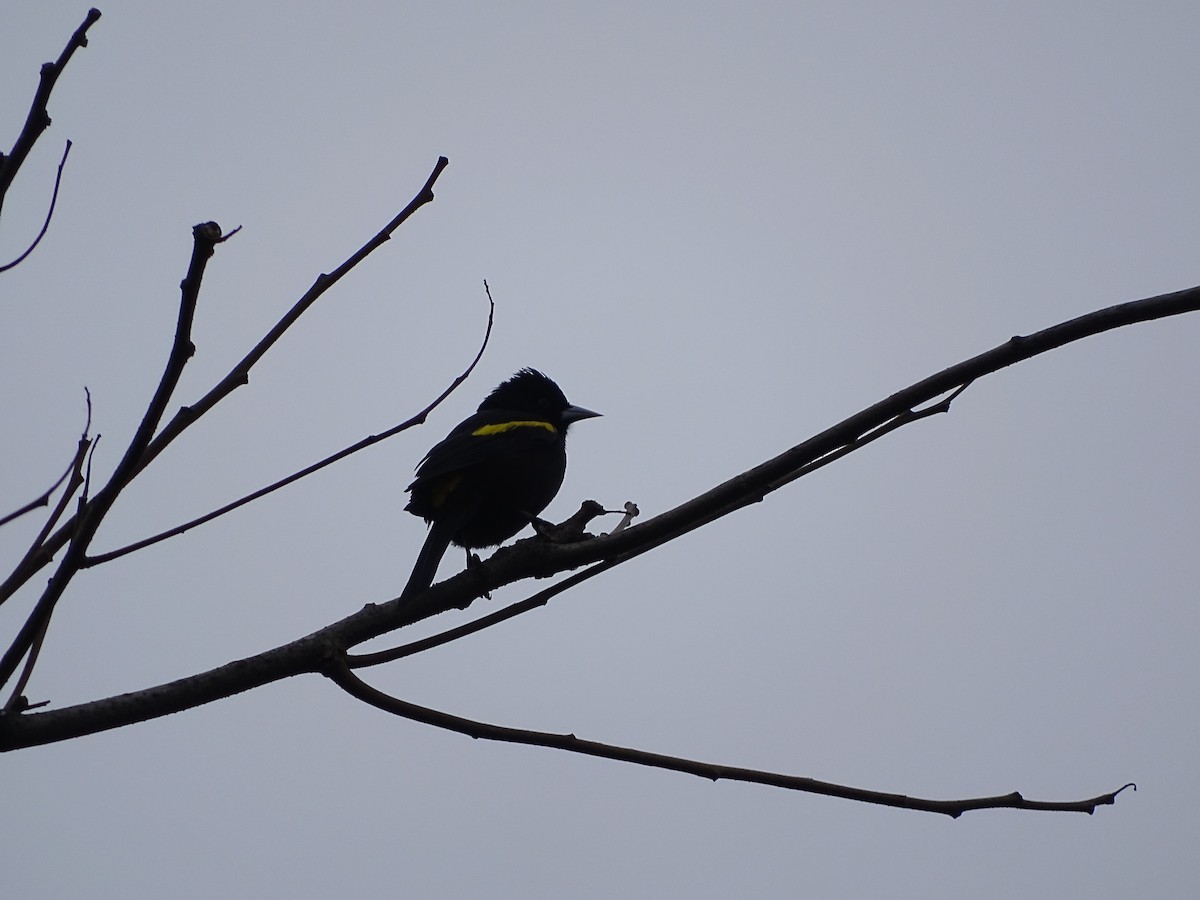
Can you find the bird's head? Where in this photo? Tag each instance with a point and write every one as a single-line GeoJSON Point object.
{"type": "Point", "coordinates": [532, 393]}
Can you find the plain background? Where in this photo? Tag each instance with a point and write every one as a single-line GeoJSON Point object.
{"type": "Point", "coordinates": [726, 226]}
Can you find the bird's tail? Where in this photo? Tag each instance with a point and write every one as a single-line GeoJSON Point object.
{"type": "Point", "coordinates": [432, 551]}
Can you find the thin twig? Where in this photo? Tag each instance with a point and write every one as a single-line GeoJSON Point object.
{"type": "Point", "coordinates": [75, 472]}
{"type": "Point", "coordinates": [80, 477]}
{"type": "Point", "coordinates": [49, 215]}
{"type": "Point", "coordinates": [340, 673]}
{"type": "Point", "coordinates": [368, 441]}
{"type": "Point", "coordinates": [43, 499]}
{"type": "Point", "coordinates": [85, 444]}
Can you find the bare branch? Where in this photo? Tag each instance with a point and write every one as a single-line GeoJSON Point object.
{"type": "Point", "coordinates": [91, 513]}
{"type": "Point", "coordinates": [17, 701]}
{"type": "Point", "coordinates": [341, 674]}
{"type": "Point", "coordinates": [75, 472]}
{"type": "Point", "coordinates": [368, 441]}
{"type": "Point", "coordinates": [85, 451]}
{"type": "Point", "coordinates": [240, 373]}
{"type": "Point", "coordinates": [49, 215]}
{"type": "Point", "coordinates": [38, 119]}
{"type": "Point", "coordinates": [536, 557]}
{"type": "Point", "coordinates": [237, 376]}
{"type": "Point", "coordinates": [42, 499]}
{"type": "Point", "coordinates": [527, 558]}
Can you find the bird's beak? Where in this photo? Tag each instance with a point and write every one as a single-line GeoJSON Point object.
{"type": "Point", "coordinates": [575, 413]}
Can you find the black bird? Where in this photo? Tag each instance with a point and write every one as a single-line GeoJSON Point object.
{"type": "Point", "coordinates": [494, 473]}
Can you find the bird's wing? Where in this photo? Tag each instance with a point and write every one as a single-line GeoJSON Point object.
{"type": "Point", "coordinates": [482, 436]}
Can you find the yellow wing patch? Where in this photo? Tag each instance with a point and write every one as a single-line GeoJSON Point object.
{"type": "Point", "coordinates": [443, 489]}
{"type": "Point", "coordinates": [501, 427]}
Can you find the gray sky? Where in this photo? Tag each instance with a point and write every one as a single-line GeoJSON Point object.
{"type": "Point", "coordinates": [727, 230]}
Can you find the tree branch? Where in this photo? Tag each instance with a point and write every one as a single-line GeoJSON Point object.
{"type": "Point", "coordinates": [340, 673]}
{"type": "Point", "coordinates": [536, 557]}
{"type": "Point", "coordinates": [368, 441]}
{"type": "Point", "coordinates": [86, 521]}
{"type": "Point", "coordinates": [73, 469]}
{"type": "Point", "coordinates": [239, 375]}
{"type": "Point", "coordinates": [49, 215]}
{"type": "Point", "coordinates": [38, 119]}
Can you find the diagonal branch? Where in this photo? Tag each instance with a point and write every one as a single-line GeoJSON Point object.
{"type": "Point", "coordinates": [538, 558]}
{"type": "Point", "coordinates": [340, 673]}
{"type": "Point", "coordinates": [368, 441]}
{"type": "Point", "coordinates": [239, 375]}
{"type": "Point", "coordinates": [38, 119]}
{"type": "Point", "coordinates": [525, 559]}
{"type": "Point", "coordinates": [86, 521]}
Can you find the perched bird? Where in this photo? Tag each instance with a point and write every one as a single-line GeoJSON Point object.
{"type": "Point", "coordinates": [494, 473]}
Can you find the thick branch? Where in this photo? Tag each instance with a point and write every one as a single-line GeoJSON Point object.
{"type": "Point", "coordinates": [341, 675]}
{"type": "Point", "coordinates": [524, 559]}
{"type": "Point", "coordinates": [538, 558]}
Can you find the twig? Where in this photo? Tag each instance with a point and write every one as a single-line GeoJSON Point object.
{"type": "Point", "coordinates": [42, 499]}
{"type": "Point", "coordinates": [49, 215]}
{"type": "Point", "coordinates": [86, 451]}
{"type": "Point", "coordinates": [75, 472]}
{"type": "Point", "coordinates": [341, 675]}
{"type": "Point", "coordinates": [368, 441]}
{"type": "Point", "coordinates": [38, 119]}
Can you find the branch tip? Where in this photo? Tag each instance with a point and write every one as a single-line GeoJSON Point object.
{"type": "Point", "coordinates": [208, 232]}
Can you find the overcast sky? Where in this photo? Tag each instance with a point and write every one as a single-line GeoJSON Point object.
{"type": "Point", "coordinates": [726, 227]}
